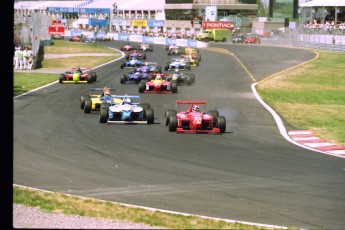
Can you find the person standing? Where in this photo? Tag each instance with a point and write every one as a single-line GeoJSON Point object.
{"type": "Point", "coordinates": [25, 58]}
{"type": "Point", "coordinates": [30, 62]}
{"type": "Point", "coordinates": [18, 56]}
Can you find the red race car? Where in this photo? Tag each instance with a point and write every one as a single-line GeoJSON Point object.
{"type": "Point", "coordinates": [252, 38]}
{"type": "Point", "coordinates": [127, 47]}
{"type": "Point", "coordinates": [158, 85]}
{"type": "Point", "coordinates": [139, 55]}
{"type": "Point", "coordinates": [86, 76]}
{"type": "Point", "coordinates": [193, 119]}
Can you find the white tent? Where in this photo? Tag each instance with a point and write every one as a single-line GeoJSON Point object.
{"type": "Point", "coordinates": [323, 3]}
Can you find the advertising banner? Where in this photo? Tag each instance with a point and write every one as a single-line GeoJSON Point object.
{"type": "Point", "coordinates": [181, 42]}
{"type": "Point", "coordinates": [136, 38]}
{"type": "Point", "coordinates": [156, 23]}
{"type": "Point", "coordinates": [147, 39]}
{"type": "Point", "coordinates": [124, 37]}
{"type": "Point", "coordinates": [216, 25]}
{"type": "Point", "coordinates": [159, 40]}
{"type": "Point", "coordinates": [139, 23]}
{"type": "Point", "coordinates": [171, 41]}
{"type": "Point", "coordinates": [60, 30]}
{"type": "Point", "coordinates": [98, 22]}
{"type": "Point", "coordinates": [79, 10]}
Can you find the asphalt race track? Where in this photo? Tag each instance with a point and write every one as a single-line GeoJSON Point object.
{"type": "Point", "coordinates": [250, 173]}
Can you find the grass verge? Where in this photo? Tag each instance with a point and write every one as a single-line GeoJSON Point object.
{"type": "Point", "coordinates": [311, 97]}
{"type": "Point", "coordinates": [60, 203]}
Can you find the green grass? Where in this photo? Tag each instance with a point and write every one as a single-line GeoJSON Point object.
{"type": "Point", "coordinates": [311, 97]}
{"type": "Point", "coordinates": [65, 47]}
{"type": "Point", "coordinates": [60, 203]}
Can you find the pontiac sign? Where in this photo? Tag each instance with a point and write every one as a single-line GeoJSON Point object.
{"type": "Point", "coordinates": [216, 25]}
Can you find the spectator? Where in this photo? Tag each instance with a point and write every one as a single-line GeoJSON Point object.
{"type": "Point", "coordinates": [30, 62]}
{"type": "Point", "coordinates": [18, 55]}
{"type": "Point", "coordinates": [25, 57]}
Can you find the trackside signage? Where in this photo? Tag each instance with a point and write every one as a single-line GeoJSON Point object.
{"type": "Point", "coordinates": [216, 25]}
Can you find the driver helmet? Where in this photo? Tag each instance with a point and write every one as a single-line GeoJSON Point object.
{"type": "Point", "coordinates": [177, 70]}
{"type": "Point", "coordinates": [127, 100]}
{"type": "Point", "coordinates": [158, 77]}
{"type": "Point", "coordinates": [196, 108]}
{"type": "Point", "coordinates": [146, 63]}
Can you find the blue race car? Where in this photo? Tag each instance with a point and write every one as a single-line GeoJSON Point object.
{"type": "Point", "coordinates": [129, 112]}
{"type": "Point", "coordinates": [177, 63]}
{"type": "Point", "coordinates": [132, 63]}
{"type": "Point", "coordinates": [149, 67]}
{"type": "Point", "coordinates": [134, 77]}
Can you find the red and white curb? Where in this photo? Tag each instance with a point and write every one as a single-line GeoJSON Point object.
{"type": "Point", "coordinates": [306, 138]}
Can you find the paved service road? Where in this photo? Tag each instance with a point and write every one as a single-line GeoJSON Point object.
{"type": "Point", "coordinates": [250, 173]}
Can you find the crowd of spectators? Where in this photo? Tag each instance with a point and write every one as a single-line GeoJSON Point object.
{"type": "Point", "coordinates": [328, 27]}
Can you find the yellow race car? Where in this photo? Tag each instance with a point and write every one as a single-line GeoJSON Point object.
{"type": "Point", "coordinates": [93, 102]}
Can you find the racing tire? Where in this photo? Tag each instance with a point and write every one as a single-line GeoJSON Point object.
{"type": "Point", "coordinates": [122, 65]}
{"type": "Point", "coordinates": [82, 101]}
{"type": "Point", "coordinates": [103, 115]}
{"type": "Point", "coordinates": [94, 76]}
{"type": "Point", "coordinates": [104, 105]}
{"type": "Point", "coordinates": [224, 40]}
{"type": "Point", "coordinates": [214, 114]}
{"type": "Point", "coordinates": [123, 78]}
{"type": "Point", "coordinates": [89, 78]}
{"type": "Point", "coordinates": [88, 106]}
{"type": "Point", "coordinates": [168, 113]}
{"type": "Point", "coordinates": [142, 86]}
{"type": "Point", "coordinates": [197, 63]}
{"type": "Point", "coordinates": [172, 123]}
{"type": "Point", "coordinates": [144, 56]}
{"type": "Point", "coordinates": [68, 72]}
{"type": "Point", "coordinates": [149, 113]}
{"type": "Point", "coordinates": [169, 53]}
{"type": "Point", "coordinates": [166, 68]}
{"type": "Point", "coordinates": [189, 80]}
{"type": "Point", "coordinates": [221, 124]}
{"type": "Point", "coordinates": [127, 57]}
{"type": "Point", "coordinates": [62, 78]}
{"type": "Point", "coordinates": [188, 67]}
{"type": "Point", "coordinates": [174, 87]}
{"type": "Point", "coordinates": [145, 105]}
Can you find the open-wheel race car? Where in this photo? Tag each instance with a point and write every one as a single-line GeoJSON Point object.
{"type": "Point", "coordinates": [175, 51]}
{"type": "Point", "coordinates": [137, 55]}
{"type": "Point", "coordinates": [92, 102]}
{"type": "Point", "coordinates": [182, 78]}
{"type": "Point", "coordinates": [188, 117]}
{"type": "Point", "coordinates": [127, 47]}
{"type": "Point", "coordinates": [141, 73]}
{"type": "Point", "coordinates": [74, 76]}
{"type": "Point", "coordinates": [132, 63]}
{"type": "Point", "coordinates": [158, 85]}
{"type": "Point", "coordinates": [177, 63]}
{"type": "Point", "coordinates": [145, 47]}
{"type": "Point", "coordinates": [170, 47]}
{"type": "Point", "coordinates": [130, 111]}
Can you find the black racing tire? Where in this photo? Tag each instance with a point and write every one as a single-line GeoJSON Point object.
{"type": "Point", "coordinates": [168, 113]}
{"type": "Point", "coordinates": [89, 78]}
{"type": "Point", "coordinates": [122, 65]}
{"type": "Point", "coordinates": [145, 105]}
{"type": "Point", "coordinates": [189, 80]}
{"type": "Point", "coordinates": [127, 57]}
{"type": "Point", "coordinates": [166, 67]}
{"type": "Point", "coordinates": [62, 77]}
{"type": "Point", "coordinates": [103, 114]}
{"type": "Point", "coordinates": [82, 101]}
{"type": "Point", "coordinates": [144, 56]}
{"type": "Point", "coordinates": [123, 78]}
{"type": "Point", "coordinates": [172, 123]}
{"type": "Point", "coordinates": [188, 67]}
{"type": "Point", "coordinates": [149, 115]}
{"type": "Point", "coordinates": [197, 63]}
{"type": "Point", "coordinates": [215, 115]}
{"type": "Point", "coordinates": [221, 124]}
{"type": "Point", "coordinates": [88, 106]}
{"type": "Point", "coordinates": [94, 76]}
{"type": "Point", "coordinates": [174, 87]}
{"type": "Point", "coordinates": [142, 86]}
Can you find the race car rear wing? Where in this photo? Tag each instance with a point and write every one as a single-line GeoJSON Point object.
{"type": "Point", "coordinates": [190, 102]}
{"type": "Point", "coordinates": [130, 97]}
